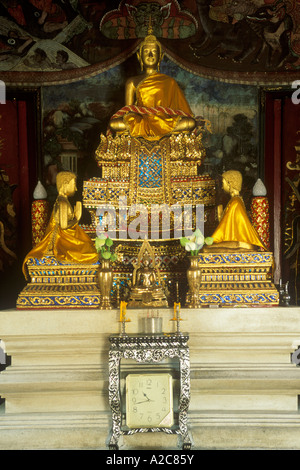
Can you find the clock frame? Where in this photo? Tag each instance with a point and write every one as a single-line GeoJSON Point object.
{"type": "Point", "coordinates": [149, 400]}
{"type": "Point", "coordinates": [149, 354]}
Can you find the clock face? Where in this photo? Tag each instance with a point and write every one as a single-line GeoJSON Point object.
{"type": "Point", "coordinates": [149, 400]}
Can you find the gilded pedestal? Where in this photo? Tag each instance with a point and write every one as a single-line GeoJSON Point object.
{"type": "Point", "coordinates": [56, 285]}
{"type": "Point", "coordinates": [237, 279]}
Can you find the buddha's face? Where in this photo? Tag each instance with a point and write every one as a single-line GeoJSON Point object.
{"type": "Point", "coordinates": [225, 185]}
{"type": "Point", "coordinates": [70, 187]}
{"type": "Point", "coordinates": [150, 55]}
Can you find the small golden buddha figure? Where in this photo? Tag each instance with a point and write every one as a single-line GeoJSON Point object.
{"type": "Point", "coordinates": [64, 238]}
{"type": "Point", "coordinates": [235, 231]}
{"type": "Point", "coordinates": [145, 276]}
{"type": "Point", "coordinates": [146, 290]}
{"type": "Point", "coordinates": [155, 106]}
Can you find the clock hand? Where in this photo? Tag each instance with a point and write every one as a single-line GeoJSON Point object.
{"type": "Point", "coordinates": [148, 399]}
{"type": "Point", "coordinates": [144, 401]}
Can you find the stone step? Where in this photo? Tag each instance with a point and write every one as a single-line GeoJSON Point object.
{"type": "Point", "coordinates": [244, 387]}
{"type": "Point", "coordinates": [209, 430]}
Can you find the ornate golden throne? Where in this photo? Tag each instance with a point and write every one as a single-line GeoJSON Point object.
{"type": "Point", "coordinates": [166, 173]}
{"type": "Point", "coordinates": [159, 175]}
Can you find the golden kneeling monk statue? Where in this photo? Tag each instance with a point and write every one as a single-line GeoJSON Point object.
{"type": "Point", "coordinates": [235, 231]}
{"type": "Point", "coordinates": [154, 104]}
{"type": "Point", "coordinates": [64, 239]}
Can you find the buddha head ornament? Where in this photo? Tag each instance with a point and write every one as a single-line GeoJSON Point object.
{"type": "Point", "coordinates": [232, 182]}
{"type": "Point", "coordinates": [66, 183]}
{"type": "Point", "coordinates": [150, 51]}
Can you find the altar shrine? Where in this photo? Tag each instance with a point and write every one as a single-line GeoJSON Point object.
{"type": "Point", "coordinates": [155, 311]}
{"type": "Point", "coordinates": [153, 162]}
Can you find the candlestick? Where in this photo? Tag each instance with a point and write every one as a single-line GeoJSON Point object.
{"type": "Point", "coordinates": [123, 318]}
{"type": "Point", "coordinates": [177, 291]}
{"type": "Point", "coordinates": [178, 319]}
{"type": "Point", "coordinates": [123, 311]}
{"type": "Point", "coordinates": [118, 292]}
{"type": "Point", "coordinates": [176, 308]}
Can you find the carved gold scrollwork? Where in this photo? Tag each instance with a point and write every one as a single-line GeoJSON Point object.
{"type": "Point", "coordinates": [295, 166]}
{"type": "Point", "coordinates": [290, 235]}
{"type": "Point", "coordinates": [292, 217]}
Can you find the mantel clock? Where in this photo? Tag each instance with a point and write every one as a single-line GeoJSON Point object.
{"type": "Point", "coordinates": [149, 400]}
{"type": "Point", "coordinates": [150, 390]}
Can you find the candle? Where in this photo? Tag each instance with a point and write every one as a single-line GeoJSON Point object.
{"type": "Point", "coordinates": [122, 310]}
{"type": "Point", "coordinates": [176, 310]}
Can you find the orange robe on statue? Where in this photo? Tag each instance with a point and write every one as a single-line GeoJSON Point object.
{"type": "Point", "coordinates": [154, 91]}
{"type": "Point", "coordinates": [236, 226]}
{"type": "Point", "coordinates": [70, 245]}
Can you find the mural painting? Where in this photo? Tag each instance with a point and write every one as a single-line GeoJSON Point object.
{"type": "Point", "coordinates": [54, 35]}
{"type": "Point", "coordinates": [130, 20]}
{"type": "Point", "coordinates": [266, 32]}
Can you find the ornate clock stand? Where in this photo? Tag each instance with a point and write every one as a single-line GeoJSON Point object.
{"type": "Point", "coordinates": [149, 349]}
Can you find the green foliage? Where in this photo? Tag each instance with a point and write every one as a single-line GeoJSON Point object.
{"type": "Point", "coordinates": [103, 246]}
{"type": "Point", "coordinates": [195, 242]}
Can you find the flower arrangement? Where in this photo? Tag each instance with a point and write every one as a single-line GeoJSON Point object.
{"type": "Point", "coordinates": [195, 242]}
{"type": "Point", "coordinates": [103, 246]}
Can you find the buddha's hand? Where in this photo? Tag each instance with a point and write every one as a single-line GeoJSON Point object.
{"type": "Point", "coordinates": [78, 210]}
{"type": "Point", "coordinates": [219, 212]}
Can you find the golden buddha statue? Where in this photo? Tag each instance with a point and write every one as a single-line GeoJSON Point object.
{"type": "Point", "coordinates": [64, 238]}
{"type": "Point", "coordinates": [145, 276]}
{"type": "Point", "coordinates": [151, 143]}
{"type": "Point", "coordinates": [146, 289]}
{"type": "Point", "coordinates": [235, 231]}
{"type": "Point", "coordinates": [151, 154]}
{"type": "Point", "coordinates": [155, 106]}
